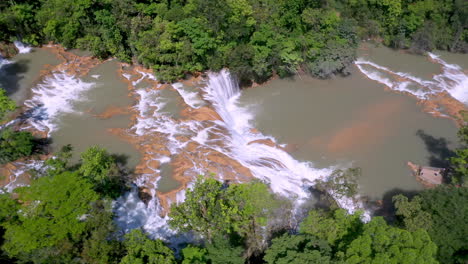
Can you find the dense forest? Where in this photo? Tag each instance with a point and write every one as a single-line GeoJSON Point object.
{"type": "Point", "coordinates": [253, 38]}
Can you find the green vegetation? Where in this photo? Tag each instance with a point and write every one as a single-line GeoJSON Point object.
{"type": "Point", "coordinates": [140, 249]}
{"type": "Point", "coordinates": [100, 168]}
{"type": "Point", "coordinates": [459, 163]}
{"type": "Point", "coordinates": [14, 145]}
{"type": "Point", "coordinates": [253, 38]}
{"type": "Point", "coordinates": [6, 104]}
{"type": "Point", "coordinates": [241, 213]}
{"type": "Point", "coordinates": [443, 213]}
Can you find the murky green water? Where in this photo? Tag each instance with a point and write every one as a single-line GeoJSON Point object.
{"type": "Point", "coordinates": [353, 121]}
{"type": "Point", "coordinates": [18, 77]}
{"type": "Point", "coordinates": [85, 129]}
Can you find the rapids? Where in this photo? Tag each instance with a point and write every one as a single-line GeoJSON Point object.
{"type": "Point", "coordinates": [452, 79]}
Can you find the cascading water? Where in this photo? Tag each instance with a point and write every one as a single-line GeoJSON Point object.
{"type": "Point", "coordinates": [232, 136]}
{"type": "Point", "coordinates": [285, 175]}
{"type": "Point", "coordinates": [54, 96]}
{"type": "Point", "coordinates": [452, 79]}
{"type": "Point", "coordinates": [22, 48]}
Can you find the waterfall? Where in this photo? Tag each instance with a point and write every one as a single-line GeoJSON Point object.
{"type": "Point", "coordinates": [281, 171]}
{"type": "Point", "coordinates": [452, 79]}
{"type": "Point", "coordinates": [22, 48]}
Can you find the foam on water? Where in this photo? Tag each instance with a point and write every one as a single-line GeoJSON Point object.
{"type": "Point", "coordinates": [22, 48]}
{"type": "Point", "coordinates": [3, 62]}
{"type": "Point", "coordinates": [23, 167]}
{"type": "Point", "coordinates": [452, 79]}
{"type": "Point", "coordinates": [191, 98]}
{"type": "Point", "coordinates": [53, 97]}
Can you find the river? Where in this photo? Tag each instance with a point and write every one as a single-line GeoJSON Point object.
{"type": "Point", "coordinates": [287, 132]}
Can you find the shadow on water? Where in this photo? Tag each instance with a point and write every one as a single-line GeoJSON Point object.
{"type": "Point", "coordinates": [10, 75]}
{"type": "Point", "coordinates": [387, 208]}
{"type": "Point", "coordinates": [121, 159]}
{"type": "Point", "coordinates": [438, 149]}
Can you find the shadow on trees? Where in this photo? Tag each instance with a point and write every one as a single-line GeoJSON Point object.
{"type": "Point", "coordinates": [10, 75]}
{"type": "Point", "coordinates": [438, 149]}
{"type": "Point", "coordinates": [387, 208]}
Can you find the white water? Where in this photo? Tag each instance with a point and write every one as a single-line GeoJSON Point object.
{"type": "Point", "coordinates": [22, 48]}
{"type": "Point", "coordinates": [285, 175]}
{"type": "Point", "coordinates": [3, 62]}
{"type": "Point", "coordinates": [452, 79]}
{"type": "Point", "coordinates": [23, 167]}
{"type": "Point", "coordinates": [191, 98]}
{"type": "Point", "coordinates": [232, 136]}
{"type": "Point", "coordinates": [55, 96]}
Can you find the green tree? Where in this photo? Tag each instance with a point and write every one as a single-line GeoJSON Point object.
{"type": "Point", "coordinates": [53, 216]}
{"type": "Point", "coordinates": [459, 163]}
{"type": "Point", "coordinates": [243, 210]}
{"type": "Point", "coordinates": [14, 145]}
{"type": "Point", "coordinates": [411, 213]}
{"type": "Point", "coordinates": [204, 210]}
{"type": "Point", "coordinates": [59, 163]}
{"type": "Point", "coordinates": [447, 210]}
{"type": "Point", "coordinates": [100, 168]}
{"type": "Point", "coordinates": [338, 228]}
{"type": "Point", "coordinates": [142, 250]}
{"type": "Point", "coordinates": [194, 255]}
{"type": "Point", "coordinates": [298, 249]}
{"type": "Point", "coordinates": [380, 243]}
{"type": "Point", "coordinates": [222, 250]}
{"type": "Point", "coordinates": [6, 104]}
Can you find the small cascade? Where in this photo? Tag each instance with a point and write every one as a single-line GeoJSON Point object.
{"type": "Point", "coordinates": [21, 169]}
{"type": "Point", "coordinates": [22, 48]}
{"type": "Point", "coordinates": [53, 97]}
{"type": "Point", "coordinates": [3, 62]}
{"type": "Point", "coordinates": [452, 79]}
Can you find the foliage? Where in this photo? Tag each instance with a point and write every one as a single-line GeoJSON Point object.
{"type": "Point", "coordinates": [341, 183]}
{"type": "Point", "coordinates": [100, 168]}
{"type": "Point", "coordinates": [459, 163]}
{"type": "Point", "coordinates": [6, 104]}
{"type": "Point", "coordinates": [59, 163]}
{"type": "Point", "coordinates": [14, 145]}
{"type": "Point", "coordinates": [411, 213]}
{"type": "Point", "coordinates": [141, 249]}
{"type": "Point", "coordinates": [222, 251]}
{"type": "Point", "coordinates": [380, 243]}
{"type": "Point", "coordinates": [194, 255]}
{"type": "Point", "coordinates": [52, 217]}
{"type": "Point", "coordinates": [338, 228]}
{"type": "Point", "coordinates": [420, 24]}
{"type": "Point", "coordinates": [443, 212]}
{"type": "Point", "coordinates": [298, 249]}
{"type": "Point", "coordinates": [254, 39]}
{"type": "Point", "coordinates": [243, 210]}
